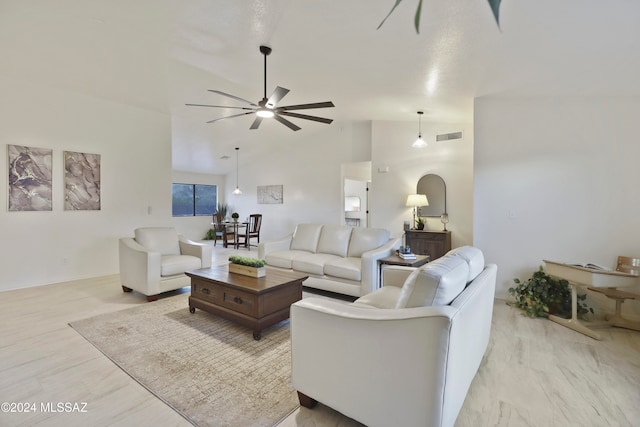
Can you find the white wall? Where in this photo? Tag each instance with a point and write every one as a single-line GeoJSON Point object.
{"type": "Point", "coordinates": [452, 160]}
{"type": "Point", "coordinates": [309, 169]}
{"type": "Point", "coordinates": [556, 179]}
{"type": "Point", "coordinates": [134, 144]}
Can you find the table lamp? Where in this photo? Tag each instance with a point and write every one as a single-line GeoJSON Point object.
{"type": "Point", "coordinates": [415, 200]}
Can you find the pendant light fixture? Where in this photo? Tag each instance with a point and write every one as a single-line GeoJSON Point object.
{"type": "Point", "coordinates": [237, 191]}
{"type": "Point", "coordinates": [419, 143]}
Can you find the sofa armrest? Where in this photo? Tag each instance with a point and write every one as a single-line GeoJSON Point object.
{"type": "Point", "coordinates": [395, 275]}
{"type": "Point", "coordinates": [369, 265]}
{"type": "Point", "coordinates": [377, 356]}
{"type": "Point", "coordinates": [198, 250]}
{"type": "Point", "coordinates": [275, 245]}
{"type": "Point", "coordinates": [139, 267]}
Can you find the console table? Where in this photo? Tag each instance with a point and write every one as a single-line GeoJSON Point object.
{"type": "Point", "coordinates": [425, 242]}
{"type": "Point", "coordinates": [581, 276]}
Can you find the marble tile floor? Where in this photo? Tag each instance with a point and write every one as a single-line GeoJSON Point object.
{"type": "Point", "coordinates": [535, 372]}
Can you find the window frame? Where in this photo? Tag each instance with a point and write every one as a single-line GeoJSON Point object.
{"type": "Point", "coordinates": [194, 201]}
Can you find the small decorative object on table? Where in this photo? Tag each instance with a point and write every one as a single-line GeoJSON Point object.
{"type": "Point", "coordinates": [405, 253]}
{"type": "Point", "coordinates": [420, 223]}
{"type": "Point", "coordinates": [247, 266]}
{"type": "Point", "coordinates": [235, 216]}
{"type": "Point", "coordinates": [444, 219]}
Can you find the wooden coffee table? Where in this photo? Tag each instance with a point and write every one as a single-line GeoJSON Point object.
{"type": "Point", "coordinates": [256, 303]}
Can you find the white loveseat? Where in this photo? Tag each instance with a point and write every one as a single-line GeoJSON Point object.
{"type": "Point", "coordinates": [338, 258]}
{"type": "Point", "coordinates": [156, 259]}
{"type": "Point", "coordinates": [404, 355]}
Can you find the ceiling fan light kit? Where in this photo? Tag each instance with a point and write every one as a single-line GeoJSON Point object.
{"type": "Point", "coordinates": [268, 107]}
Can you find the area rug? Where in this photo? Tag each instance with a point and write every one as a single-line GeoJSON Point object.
{"type": "Point", "coordinates": [208, 369]}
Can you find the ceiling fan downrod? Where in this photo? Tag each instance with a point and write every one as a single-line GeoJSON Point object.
{"type": "Point", "coordinates": [265, 50]}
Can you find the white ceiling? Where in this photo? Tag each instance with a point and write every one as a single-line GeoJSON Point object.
{"type": "Point", "coordinates": [161, 54]}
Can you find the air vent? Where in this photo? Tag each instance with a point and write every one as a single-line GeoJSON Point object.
{"type": "Point", "coordinates": [449, 136]}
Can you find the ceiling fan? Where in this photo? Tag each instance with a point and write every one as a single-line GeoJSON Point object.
{"type": "Point", "coordinates": [268, 107]}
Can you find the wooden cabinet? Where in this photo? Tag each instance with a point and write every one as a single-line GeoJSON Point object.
{"type": "Point", "coordinates": [432, 243]}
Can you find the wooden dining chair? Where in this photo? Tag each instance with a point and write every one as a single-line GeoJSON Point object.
{"type": "Point", "coordinates": [251, 230]}
{"type": "Point", "coordinates": [627, 265]}
{"type": "Point", "coordinates": [221, 231]}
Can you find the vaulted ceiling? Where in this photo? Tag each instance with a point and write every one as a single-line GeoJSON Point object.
{"type": "Point", "coordinates": [161, 54]}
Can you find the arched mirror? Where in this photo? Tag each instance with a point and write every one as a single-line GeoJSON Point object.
{"type": "Point", "coordinates": [436, 190]}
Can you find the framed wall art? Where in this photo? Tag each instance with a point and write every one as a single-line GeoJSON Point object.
{"type": "Point", "coordinates": [29, 184]}
{"type": "Point", "coordinates": [270, 194]}
{"type": "Point", "coordinates": [81, 181]}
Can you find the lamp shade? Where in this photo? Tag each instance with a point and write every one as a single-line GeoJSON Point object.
{"type": "Point", "coordinates": [417, 200]}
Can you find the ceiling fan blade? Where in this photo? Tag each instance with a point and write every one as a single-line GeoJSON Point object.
{"type": "Point", "coordinates": [228, 117]}
{"type": "Point", "coordinates": [232, 96]}
{"type": "Point", "coordinates": [286, 122]}
{"type": "Point", "coordinates": [218, 106]}
{"type": "Point", "coordinates": [306, 117]}
{"type": "Point", "coordinates": [308, 106]}
{"type": "Point", "coordinates": [276, 96]}
{"type": "Point", "coordinates": [256, 122]}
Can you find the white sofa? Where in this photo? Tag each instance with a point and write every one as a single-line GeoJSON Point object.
{"type": "Point", "coordinates": [154, 261]}
{"type": "Point", "coordinates": [338, 258]}
{"type": "Point", "coordinates": [404, 355]}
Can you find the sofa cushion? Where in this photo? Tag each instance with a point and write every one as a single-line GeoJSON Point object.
{"type": "Point", "coordinates": [366, 239]}
{"type": "Point", "coordinates": [159, 239]}
{"type": "Point", "coordinates": [437, 283]}
{"type": "Point", "coordinates": [306, 237]}
{"type": "Point", "coordinates": [312, 263]}
{"type": "Point", "coordinates": [334, 239]}
{"type": "Point", "coordinates": [178, 264]}
{"type": "Point", "coordinates": [385, 297]}
{"type": "Point", "coordinates": [474, 258]}
{"type": "Point", "coordinates": [344, 268]}
{"type": "Point", "coordinates": [283, 259]}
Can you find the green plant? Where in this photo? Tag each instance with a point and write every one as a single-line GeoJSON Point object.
{"type": "Point", "coordinates": [419, 221]}
{"type": "Point", "coordinates": [542, 295]}
{"type": "Point", "coordinates": [493, 4]}
{"type": "Point", "coordinates": [211, 234]}
{"type": "Point", "coordinates": [222, 209]}
{"type": "Point", "coordinates": [235, 215]}
{"type": "Point", "coordinates": [249, 262]}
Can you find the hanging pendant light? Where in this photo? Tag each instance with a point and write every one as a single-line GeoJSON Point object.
{"type": "Point", "coordinates": [237, 191]}
{"type": "Point", "coordinates": [419, 143]}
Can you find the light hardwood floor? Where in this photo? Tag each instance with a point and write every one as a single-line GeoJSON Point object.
{"type": "Point", "coordinates": [535, 372]}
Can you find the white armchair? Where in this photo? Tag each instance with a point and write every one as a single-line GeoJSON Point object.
{"type": "Point", "coordinates": [156, 259]}
{"type": "Point", "coordinates": [404, 355]}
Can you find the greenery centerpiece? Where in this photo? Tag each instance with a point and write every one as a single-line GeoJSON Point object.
{"type": "Point", "coordinates": [420, 223]}
{"type": "Point", "coordinates": [542, 295]}
{"type": "Point", "coordinates": [247, 266]}
{"type": "Point", "coordinates": [235, 216]}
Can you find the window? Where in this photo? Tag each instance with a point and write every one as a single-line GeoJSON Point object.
{"type": "Point", "coordinates": [194, 199]}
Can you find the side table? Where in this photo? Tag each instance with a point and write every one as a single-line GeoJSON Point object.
{"type": "Point", "coordinates": [396, 260]}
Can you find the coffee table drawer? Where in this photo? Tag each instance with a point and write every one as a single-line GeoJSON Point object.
{"type": "Point", "coordinates": [205, 291]}
{"type": "Point", "coordinates": [239, 301]}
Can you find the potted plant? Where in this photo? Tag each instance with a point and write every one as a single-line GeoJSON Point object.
{"type": "Point", "coordinates": [235, 216]}
{"type": "Point", "coordinates": [247, 266]}
{"type": "Point", "coordinates": [542, 295]}
{"type": "Point", "coordinates": [222, 209]}
{"type": "Point", "coordinates": [405, 250]}
{"type": "Point", "coordinates": [420, 223]}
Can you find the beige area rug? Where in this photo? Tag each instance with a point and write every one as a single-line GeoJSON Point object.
{"type": "Point", "coordinates": [208, 369]}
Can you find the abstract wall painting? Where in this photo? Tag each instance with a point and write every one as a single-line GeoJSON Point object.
{"type": "Point", "coordinates": [29, 185]}
{"type": "Point", "coordinates": [81, 181]}
{"type": "Point", "coordinates": [270, 194]}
